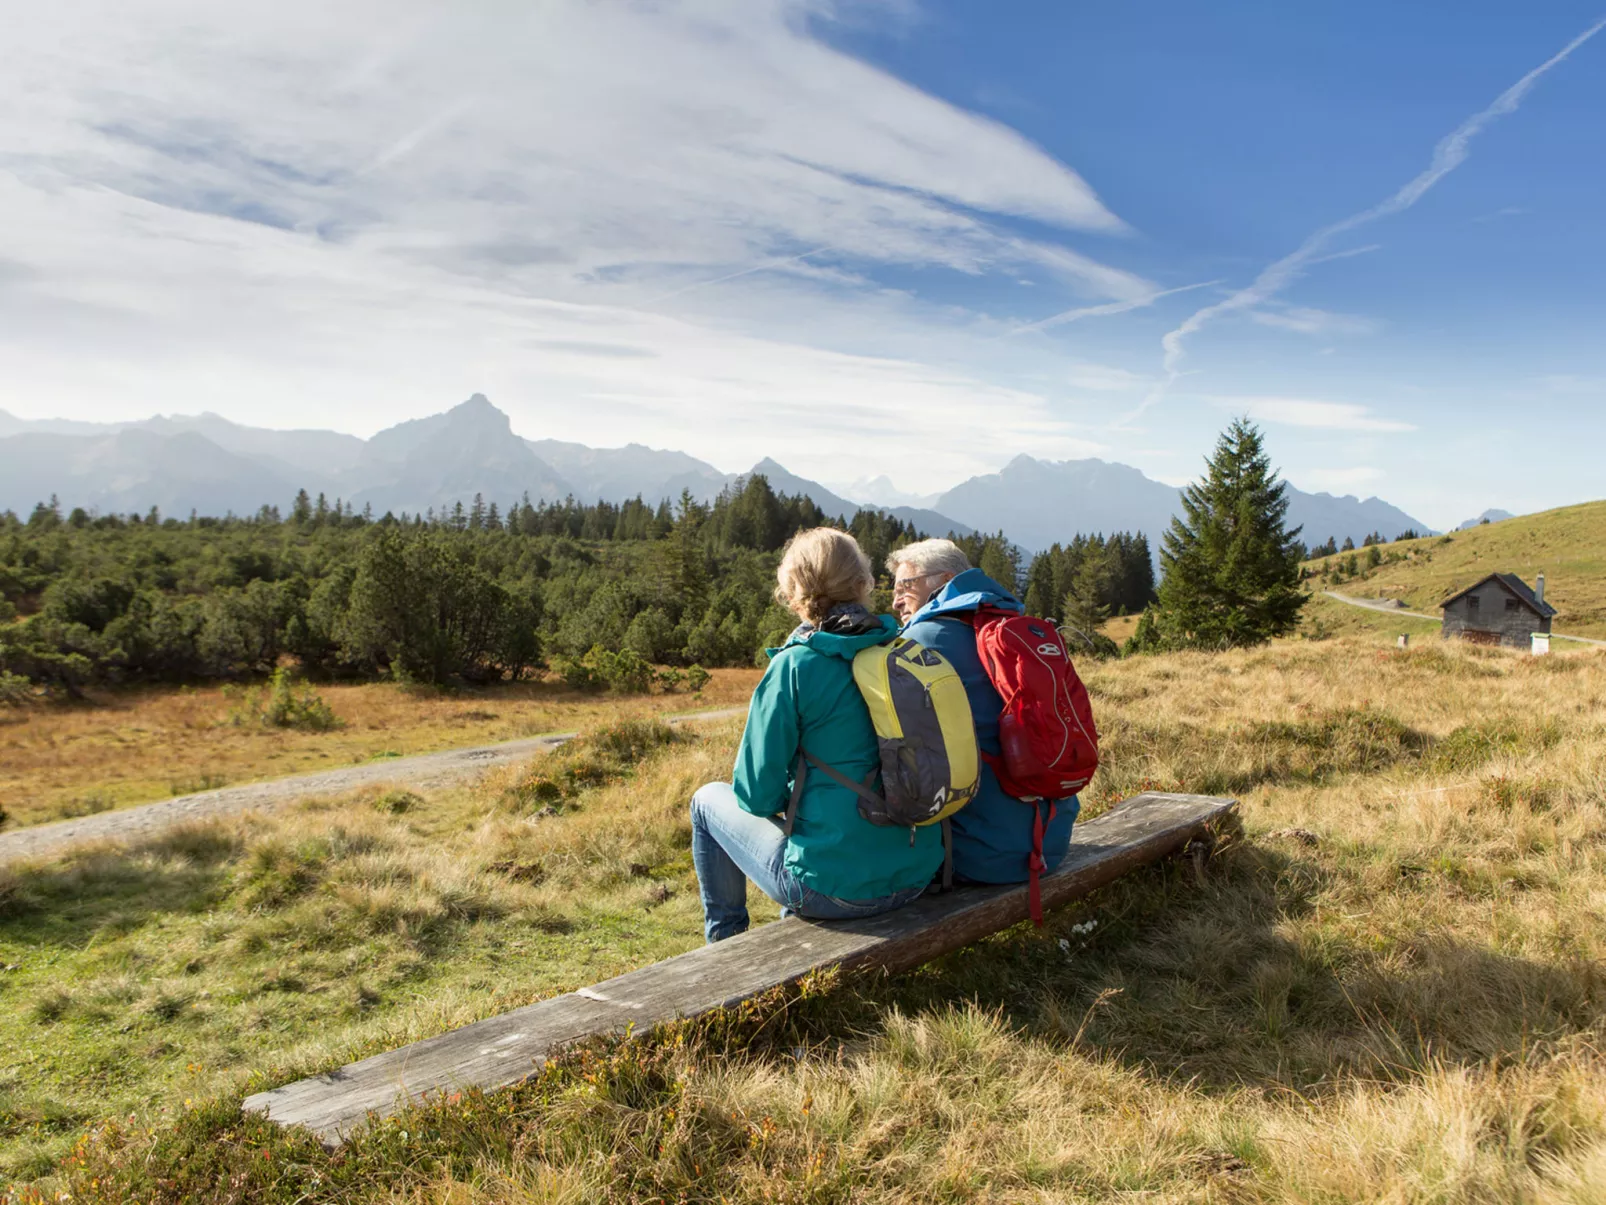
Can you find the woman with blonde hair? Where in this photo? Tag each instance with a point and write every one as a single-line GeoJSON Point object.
{"type": "Point", "coordinates": [831, 864]}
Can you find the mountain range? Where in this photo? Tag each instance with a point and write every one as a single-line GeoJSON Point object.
{"type": "Point", "coordinates": [1492, 515]}
{"type": "Point", "coordinates": [208, 464]}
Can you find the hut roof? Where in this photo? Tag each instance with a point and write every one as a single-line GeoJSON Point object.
{"type": "Point", "coordinates": [1516, 586]}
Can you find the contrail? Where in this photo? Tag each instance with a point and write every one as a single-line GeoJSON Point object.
{"type": "Point", "coordinates": [408, 142]}
{"type": "Point", "coordinates": [719, 280]}
{"type": "Point", "coordinates": [1450, 153]}
{"type": "Point", "coordinates": [1111, 307]}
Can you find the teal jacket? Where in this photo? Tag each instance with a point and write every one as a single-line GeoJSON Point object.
{"type": "Point", "coordinates": [808, 692]}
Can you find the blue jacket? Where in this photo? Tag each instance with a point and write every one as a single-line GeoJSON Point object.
{"type": "Point", "coordinates": [993, 832]}
{"type": "Point", "coordinates": [808, 692]}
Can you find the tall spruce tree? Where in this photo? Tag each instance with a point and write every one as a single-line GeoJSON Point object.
{"type": "Point", "coordinates": [1231, 567]}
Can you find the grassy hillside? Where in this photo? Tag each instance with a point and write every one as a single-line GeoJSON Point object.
{"type": "Point", "coordinates": [1390, 989]}
{"type": "Point", "coordinates": [1325, 617]}
{"type": "Point", "coordinates": [1568, 546]}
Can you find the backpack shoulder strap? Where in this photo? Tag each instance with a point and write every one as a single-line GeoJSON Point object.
{"type": "Point", "coordinates": [805, 759]}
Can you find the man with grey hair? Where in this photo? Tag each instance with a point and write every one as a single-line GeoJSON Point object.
{"type": "Point", "coordinates": [920, 570]}
{"type": "Point", "coordinates": [936, 594]}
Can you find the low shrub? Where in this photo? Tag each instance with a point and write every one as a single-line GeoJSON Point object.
{"type": "Point", "coordinates": [592, 760]}
{"type": "Point", "coordinates": [394, 803]}
{"type": "Point", "coordinates": [15, 690]}
{"type": "Point", "coordinates": [1473, 745]}
{"type": "Point", "coordinates": [283, 704]}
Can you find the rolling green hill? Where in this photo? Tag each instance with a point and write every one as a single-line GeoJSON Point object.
{"type": "Point", "coordinates": [1567, 545]}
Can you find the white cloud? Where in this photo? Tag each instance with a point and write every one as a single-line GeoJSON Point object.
{"type": "Point", "coordinates": [1126, 305]}
{"type": "Point", "coordinates": [1103, 378]}
{"type": "Point", "coordinates": [659, 221]}
{"type": "Point", "coordinates": [1308, 321]}
{"type": "Point", "coordinates": [1304, 412]}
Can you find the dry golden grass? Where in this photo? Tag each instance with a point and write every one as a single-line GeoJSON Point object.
{"type": "Point", "coordinates": [1392, 988]}
{"type": "Point", "coordinates": [1120, 627]}
{"type": "Point", "coordinates": [135, 746]}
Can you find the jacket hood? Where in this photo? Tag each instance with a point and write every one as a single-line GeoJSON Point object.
{"type": "Point", "coordinates": [970, 590]}
{"type": "Point", "coordinates": [834, 644]}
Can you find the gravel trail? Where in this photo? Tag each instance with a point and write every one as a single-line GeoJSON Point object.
{"type": "Point", "coordinates": [422, 770]}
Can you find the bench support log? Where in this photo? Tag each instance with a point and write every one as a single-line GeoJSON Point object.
{"type": "Point", "coordinates": [512, 1047]}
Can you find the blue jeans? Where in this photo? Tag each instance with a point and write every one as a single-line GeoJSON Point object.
{"type": "Point", "coordinates": [730, 846]}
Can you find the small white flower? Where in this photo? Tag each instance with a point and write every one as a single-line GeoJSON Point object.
{"type": "Point", "coordinates": [1065, 945]}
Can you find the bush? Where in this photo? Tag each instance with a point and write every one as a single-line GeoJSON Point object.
{"type": "Point", "coordinates": [696, 678]}
{"type": "Point", "coordinates": [576, 674]}
{"type": "Point", "coordinates": [283, 704]}
{"type": "Point", "coordinates": [624, 672]}
{"type": "Point", "coordinates": [14, 689]}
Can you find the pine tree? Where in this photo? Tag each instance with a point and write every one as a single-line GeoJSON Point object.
{"type": "Point", "coordinates": [1040, 599]}
{"type": "Point", "coordinates": [1231, 568]}
{"type": "Point", "coordinates": [1000, 560]}
{"type": "Point", "coordinates": [1083, 610]}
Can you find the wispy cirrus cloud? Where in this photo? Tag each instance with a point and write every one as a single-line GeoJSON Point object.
{"type": "Point", "coordinates": [1309, 321]}
{"type": "Point", "coordinates": [1124, 306]}
{"type": "Point", "coordinates": [361, 211]}
{"type": "Point", "coordinates": [1448, 155]}
{"type": "Point", "coordinates": [1310, 413]}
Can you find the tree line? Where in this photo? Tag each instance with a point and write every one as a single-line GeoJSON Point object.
{"type": "Point", "coordinates": [478, 593]}
{"type": "Point", "coordinates": [483, 593]}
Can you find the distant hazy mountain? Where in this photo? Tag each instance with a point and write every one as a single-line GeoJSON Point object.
{"type": "Point", "coordinates": [1039, 502]}
{"type": "Point", "coordinates": [324, 455]}
{"type": "Point", "coordinates": [1323, 515]}
{"type": "Point", "coordinates": [836, 506]}
{"type": "Point", "coordinates": [210, 464]}
{"type": "Point", "coordinates": [879, 491]}
{"type": "Point", "coordinates": [1488, 516]}
{"type": "Point", "coordinates": [619, 474]}
{"type": "Point", "coordinates": [132, 470]}
{"type": "Point", "coordinates": [450, 457]}
{"type": "Point", "coordinates": [10, 424]}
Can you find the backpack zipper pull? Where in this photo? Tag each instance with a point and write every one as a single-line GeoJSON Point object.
{"type": "Point", "coordinates": [911, 836]}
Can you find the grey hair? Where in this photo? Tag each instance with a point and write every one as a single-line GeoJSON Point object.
{"type": "Point", "coordinates": [929, 556]}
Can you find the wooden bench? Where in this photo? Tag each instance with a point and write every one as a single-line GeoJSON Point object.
{"type": "Point", "coordinates": [507, 1049]}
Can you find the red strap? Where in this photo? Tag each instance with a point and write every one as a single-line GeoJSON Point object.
{"type": "Point", "coordinates": [1035, 864]}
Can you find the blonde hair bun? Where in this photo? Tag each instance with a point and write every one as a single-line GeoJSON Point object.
{"type": "Point", "coordinates": [820, 568]}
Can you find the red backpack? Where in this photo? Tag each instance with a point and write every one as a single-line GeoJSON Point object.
{"type": "Point", "coordinates": [1049, 744]}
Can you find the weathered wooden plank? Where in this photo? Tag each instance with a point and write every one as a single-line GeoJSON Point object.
{"type": "Point", "coordinates": [509, 1048]}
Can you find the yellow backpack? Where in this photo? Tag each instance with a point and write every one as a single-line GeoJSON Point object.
{"type": "Point", "coordinates": [930, 762]}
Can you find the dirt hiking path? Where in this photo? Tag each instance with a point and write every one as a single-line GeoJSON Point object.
{"type": "Point", "coordinates": [422, 770]}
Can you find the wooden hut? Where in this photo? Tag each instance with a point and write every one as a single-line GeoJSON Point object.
{"type": "Point", "coordinates": [1499, 609]}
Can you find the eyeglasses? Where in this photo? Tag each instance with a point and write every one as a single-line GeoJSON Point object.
{"type": "Point", "coordinates": [908, 585]}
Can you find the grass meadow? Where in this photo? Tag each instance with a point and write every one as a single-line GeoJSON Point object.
{"type": "Point", "coordinates": [1389, 987]}
{"type": "Point", "coordinates": [135, 746]}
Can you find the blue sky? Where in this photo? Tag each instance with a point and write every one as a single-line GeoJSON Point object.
{"type": "Point", "coordinates": [865, 236]}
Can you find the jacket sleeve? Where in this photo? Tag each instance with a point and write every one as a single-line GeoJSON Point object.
{"type": "Point", "coordinates": [763, 776]}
